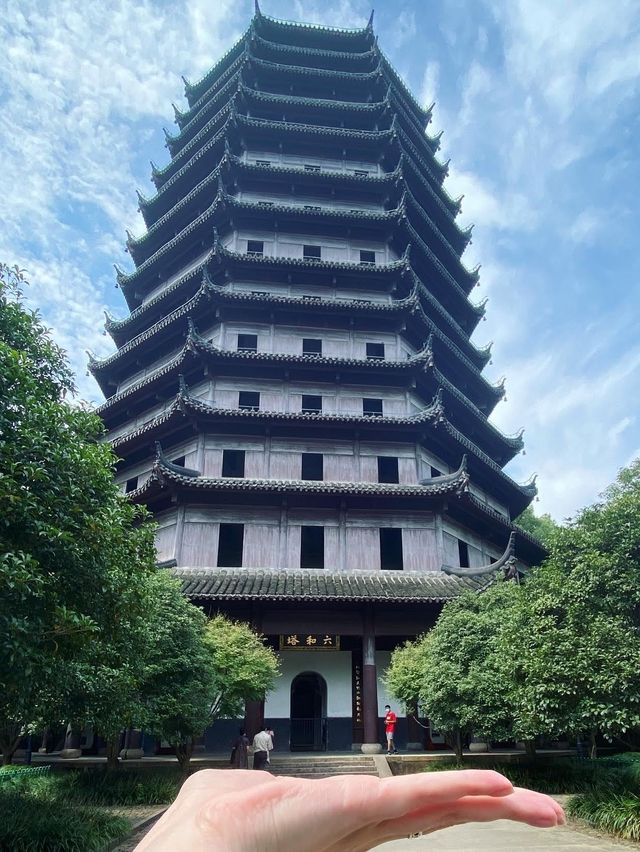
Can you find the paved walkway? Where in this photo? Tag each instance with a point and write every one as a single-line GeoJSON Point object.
{"type": "Point", "coordinates": [506, 836]}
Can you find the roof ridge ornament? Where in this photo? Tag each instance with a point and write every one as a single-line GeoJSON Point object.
{"type": "Point", "coordinates": [161, 461]}
{"type": "Point", "coordinates": [369, 22]}
{"type": "Point", "coordinates": [256, 9]}
{"type": "Point", "coordinates": [506, 563]}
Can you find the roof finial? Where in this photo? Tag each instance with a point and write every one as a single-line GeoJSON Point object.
{"type": "Point", "coordinates": [256, 8]}
{"type": "Point", "coordinates": [369, 23]}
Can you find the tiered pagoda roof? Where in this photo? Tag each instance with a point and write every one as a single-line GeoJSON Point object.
{"type": "Point", "coordinates": [295, 88]}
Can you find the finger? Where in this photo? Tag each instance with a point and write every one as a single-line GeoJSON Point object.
{"type": "Point", "coordinates": [524, 806]}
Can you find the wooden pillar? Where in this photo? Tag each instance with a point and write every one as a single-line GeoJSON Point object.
{"type": "Point", "coordinates": [371, 744]}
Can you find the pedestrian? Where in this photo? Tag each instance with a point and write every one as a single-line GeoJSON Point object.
{"type": "Point", "coordinates": [239, 751]}
{"type": "Point", "coordinates": [262, 745]}
{"type": "Point", "coordinates": [390, 720]}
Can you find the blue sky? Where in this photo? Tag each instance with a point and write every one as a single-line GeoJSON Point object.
{"type": "Point", "coordinates": [540, 105]}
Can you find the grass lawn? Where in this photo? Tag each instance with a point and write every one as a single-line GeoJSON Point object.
{"type": "Point", "coordinates": [69, 811]}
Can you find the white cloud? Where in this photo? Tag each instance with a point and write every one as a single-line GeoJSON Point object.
{"type": "Point", "coordinates": [585, 226]}
{"type": "Point", "coordinates": [429, 87]}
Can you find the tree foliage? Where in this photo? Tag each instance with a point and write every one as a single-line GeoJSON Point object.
{"type": "Point", "coordinates": [577, 633]}
{"type": "Point", "coordinates": [542, 527]}
{"type": "Point", "coordinates": [73, 552]}
{"type": "Point", "coordinates": [199, 670]}
{"type": "Point", "coordinates": [558, 655]}
{"type": "Point", "coordinates": [457, 671]}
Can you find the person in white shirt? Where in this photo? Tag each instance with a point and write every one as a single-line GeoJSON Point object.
{"type": "Point", "coordinates": [262, 745]}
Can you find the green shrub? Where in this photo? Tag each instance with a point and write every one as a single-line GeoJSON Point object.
{"type": "Point", "coordinates": [118, 787]}
{"type": "Point", "coordinates": [560, 776]}
{"type": "Point", "coordinates": [32, 824]}
{"type": "Point", "coordinates": [616, 813]}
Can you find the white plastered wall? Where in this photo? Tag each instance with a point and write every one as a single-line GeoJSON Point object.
{"type": "Point", "coordinates": [335, 668]}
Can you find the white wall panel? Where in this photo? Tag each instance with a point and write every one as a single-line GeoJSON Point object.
{"type": "Point", "coordinates": [333, 666]}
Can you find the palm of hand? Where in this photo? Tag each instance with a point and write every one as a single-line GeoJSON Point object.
{"type": "Point", "coordinates": [248, 811]}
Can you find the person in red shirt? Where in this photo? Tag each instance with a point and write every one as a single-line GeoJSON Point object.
{"type": "Point", "coordinates": [390, 720]}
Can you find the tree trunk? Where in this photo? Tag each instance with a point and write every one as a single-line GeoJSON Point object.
{"type": "Point", "coordinates": [184, 750]}
{"type": "Point", "coordinates": [456, 743]}
{"type": "Point", "coordinates": [113, 750]}
{"type": "Point", "coordinates": [530, 750]}
{"type": "Point", "coordinates": [593, 749]}
{"type": "Point", "coordinates": [10, 736]}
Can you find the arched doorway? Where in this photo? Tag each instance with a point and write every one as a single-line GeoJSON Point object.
{"type": "Point", "coordinates": [308, 712]}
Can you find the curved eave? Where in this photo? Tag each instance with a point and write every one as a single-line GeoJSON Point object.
{"type": "Point", "coordinates": [234, 86]}
{"type": "Point", "coordinates": [261, 585]}
{"type": "Point", "coordinates": [165, 477]}
{"type": "Point", "coordinates": [235, 168]}
{"type": "Point", "coordinates": [185, 405]}
{"type": "Point", "coordinates": [430, 422]}
{"type": "Point", "coordinates": [221, 255]}
{"type": "Point", "coordinates": [333, 57]}
{"type": "Point", "coordinates": [224, 202]}
{"type": "Point", "coordinates": [194, 91]}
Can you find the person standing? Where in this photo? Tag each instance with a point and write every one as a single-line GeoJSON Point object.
{"type": "Point", "coordinates": [262, 745]}
{"type": "Point", "coordinates": [390, 720]}
{"type": "Point", "coordinates": [239, 752]}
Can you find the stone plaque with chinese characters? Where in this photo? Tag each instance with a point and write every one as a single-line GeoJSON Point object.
{"type": "Point", "coordinates": [309, 642]}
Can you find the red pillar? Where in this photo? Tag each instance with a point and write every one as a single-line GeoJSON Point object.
{"type": "Point", "coordinates": [371, 744]}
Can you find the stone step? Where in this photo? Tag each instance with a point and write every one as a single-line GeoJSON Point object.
{"type": "Point", "coordinates": [310, 767]}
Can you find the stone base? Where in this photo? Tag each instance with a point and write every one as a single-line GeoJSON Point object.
{"type": "Point", "coordinates": [371, 748]}
{"type": "Point", "coordinates": [70, 753]}
{"type": "Point", "coordinates": [42, 750]}
{"type": "Point", "coordinates": [415, 747]}
{"type": "Point", "coordinates": [356, 746]}
{"type": "Point", "coordinates": [478, 747]}
{"type": "Point", "coordinates": [131, 753]}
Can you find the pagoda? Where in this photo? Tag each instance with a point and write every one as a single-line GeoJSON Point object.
{"type": "Point", "coordinates": [294, 393]}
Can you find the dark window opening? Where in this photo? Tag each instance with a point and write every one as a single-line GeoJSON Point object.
{"type": "Point", "coordinates": [265, 203]}
{"type": "Point", "coordinates": [131, 485]}
{"type": "Point", "coordinates": [312, 252]}
{"type": "Point", "coordinates": [367, 257]}
{"type": "Point", "coordinates": [263, 162]}
{"type": "Point", "coordinates": [312, 547]}
{"type": "Point", "coordinates": [391, 549]}
{"type": "Point", "coordinates": [313, 466]}
{"type": "Point", "coordinates": [311, 404]}
{"type": "Point", "coordinates": [463, 554]}
{"type": "Point", "coordinates": [309, 168]}
{"type": "Point", "coordinates": [375, 351]}
{"type": "Point", "coordinates": [249, 400]}
{"type": "Point", "coordinates": [372, 407]}
{"type": "Point", "coordinates": [233, 463]}
{"type": "Point", "coordinates": [435, 472]}
{"type": "Point", "coordinates": [361, 172]}
{"type": "Point", "coordinates": [180, 461]}
{"type": "Point", "coordinates": [255, 247]}
{"type": "Point", "coordinates": [312, 298]}
{"type": "Point", "coordinates": [311, 346]}
{"type": "Point", "coordinates": [259, 293]}
{"type": "Point", "coordinates": [388, 469]}
{"type": "Point", "coordinates": [230, 543]}
{"type": "Point", "coordinates": [247, 343]}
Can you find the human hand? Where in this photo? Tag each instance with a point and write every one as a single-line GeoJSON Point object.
{"type": "Point", "coordinates": [247, 811]}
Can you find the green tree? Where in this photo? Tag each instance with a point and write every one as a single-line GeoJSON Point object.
{"type": "Point", "coordinates": [457, 672]}
{"type": "Point", "coordinates": [199, 670]}
{"type": "Point", "coordinates": [542, 527]}
{"type": "Point", "coordinates": [73, 553]}
{"type": "Point", "coordinates": [575, 640]}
